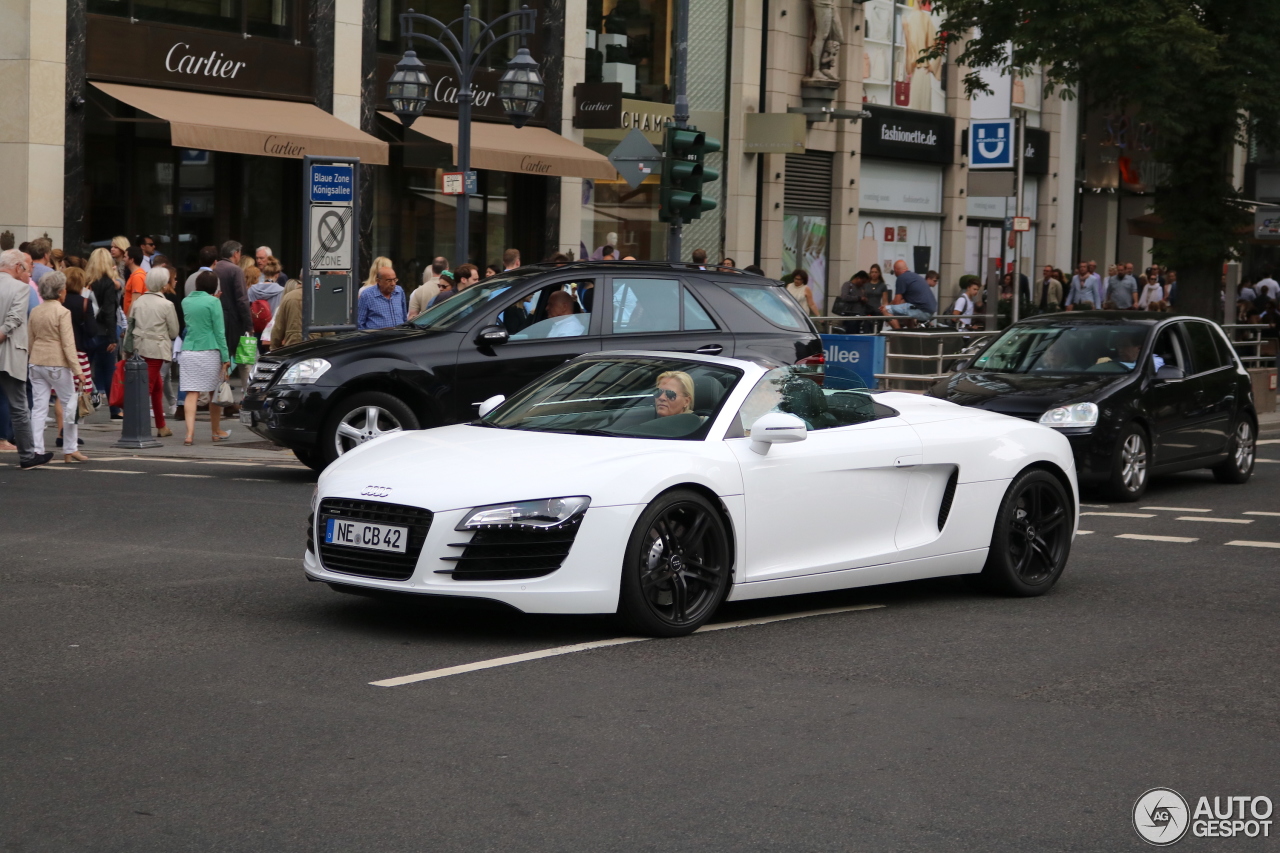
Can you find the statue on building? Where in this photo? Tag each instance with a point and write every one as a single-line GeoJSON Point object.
{"type": "Point", "coordinates": [828, 36]}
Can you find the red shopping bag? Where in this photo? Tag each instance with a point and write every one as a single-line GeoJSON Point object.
{"type": "Point", "coordinates": [115, 399]}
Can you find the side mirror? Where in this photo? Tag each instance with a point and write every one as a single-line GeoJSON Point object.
{"type": "Point", "coordinates": [960, 365]}
{"type": "Point", "coordinates": [492, 403]}
{"type": "Point", "coordinates": [776, 428]}
{"type": "Point", "coordinates": [1169, 373]}
{"type": "Point", "coordinates": [492, 336]}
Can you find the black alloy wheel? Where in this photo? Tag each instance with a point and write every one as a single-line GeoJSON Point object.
{"type": "Point", "coordinates": [1241, 451]}
{"type": "Point", "coordinates": [1130, 464]}
{"type": "Point", "coordinates": [1032, 536]}
{"type": "Point", "coordinates": [311, 458]}
{"type": "Point", "coordinates": [676, 569]}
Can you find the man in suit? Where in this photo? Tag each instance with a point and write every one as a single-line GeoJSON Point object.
{"type": "Point", "coordinates": [235, 303]}
{"type": "Point", "coordinates": [13, 354]}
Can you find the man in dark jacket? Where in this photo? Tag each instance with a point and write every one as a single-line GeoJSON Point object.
{"type": "Point", "coordinates": [235, 301]}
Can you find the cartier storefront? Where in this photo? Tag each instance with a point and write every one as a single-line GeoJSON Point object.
{"type": "Point", "coordinates": [193, 125]}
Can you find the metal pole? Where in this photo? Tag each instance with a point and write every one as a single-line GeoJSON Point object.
{"type": "Point", "coordinates": [462, 238]}
{"type": "Point", "coordinates": [679, 79]}
{"type": "Point", "coordinates": [1018, 272]}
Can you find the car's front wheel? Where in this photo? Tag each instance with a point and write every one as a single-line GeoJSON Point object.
{"type": "Point", "coordinates": [1032, 536]}
{"type": "Point", "coordinates": [677, 568]}
{"type": "Point", "coordinates": [360, 418]}
{"type": "Point", "coordinates": [1238, 466]}
{"type": "Point", "coordinates": [310, 457]}
{"type": "Point", "coordinates": [1130, 464]}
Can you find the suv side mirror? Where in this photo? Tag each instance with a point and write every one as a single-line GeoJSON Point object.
{"type": "Point", "coordinates": [776, 428]}
{"type": "Point", "coordinates": [489, 405]}
{"type": "Point", "coordinates": [1169, 373]}
{"type": "Point", "coordinates": [957, 366]}
{"type": "Point", "coordinates": [492, 336]}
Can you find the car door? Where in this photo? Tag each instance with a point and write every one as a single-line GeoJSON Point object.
{"type": "Point", "coordinates": [655, 312]}
{"type": "Point", "coordinates": [829, 502]}
{"type": "Point", "coordinates": [539, 341]}
{"type": "Point", "coordinates": [1213, 389]}
{"type": "Point", "coordinates": [1170, 403]}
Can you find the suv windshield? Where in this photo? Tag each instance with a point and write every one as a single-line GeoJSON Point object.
{"type": "Point", "coordinates": [1085, 348]}
{"type": "Point", "coordinates": [634, 397]}
{"type": "Point", "coordinates": [455, 309]}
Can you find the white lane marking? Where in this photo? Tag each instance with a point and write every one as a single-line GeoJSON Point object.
{"type": "Point", "coordinates": [599, 644]}
{"type": "Point", "coordinates": [1260, 512]}
{"type": "Point", "coordinates": [222, 462]}
{"type": "Point", "coordinates": [1268, 441]}
{"type": "Point", "coordinates": [1215, 520]}
{"type": "Point", "coordinates": [192, 476]}
{"type": "Point", "coordinates": [1177, 509]}
{"type": "Point", "coordinates": [1260, 459]}
{"type": "Point", "coordinates": [1122, 514]}
{"type": "Point", "coordinates": [1144, 537]}
{"type": "Point", "coordinates": [1083, 532]}
{"type": "Point", "coordinates": [1247, 544]}
{"type": "Point", "coordinates": [113, 471]}
{"type": "Point", "coordinates": [1097, 506]}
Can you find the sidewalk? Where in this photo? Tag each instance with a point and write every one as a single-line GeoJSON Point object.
{"type": "Point", "coordinates": [99, 432]}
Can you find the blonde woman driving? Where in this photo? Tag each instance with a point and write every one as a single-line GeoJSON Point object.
{"type": "Point", "coordinates": [674, 394]}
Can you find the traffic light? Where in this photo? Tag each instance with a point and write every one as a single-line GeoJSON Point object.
{"type": "Point", "coordinates": [684, 171]}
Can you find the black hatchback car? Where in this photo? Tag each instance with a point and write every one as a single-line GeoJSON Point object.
{"type": "Point", "coordinates": [1136, 393]}
{"type": "Point", "coordinates": [323, 397]}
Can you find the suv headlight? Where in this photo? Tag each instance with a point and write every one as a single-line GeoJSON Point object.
{"type": "Point", "coordinates": [547, 512]}
{"type": "Point", "coordinates": [304, 372]}
{"type": "Point", "coordinates": [1079, 415]}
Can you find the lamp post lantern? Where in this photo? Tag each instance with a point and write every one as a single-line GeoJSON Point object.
{"type": "Point", "coordinates": [465, 42]}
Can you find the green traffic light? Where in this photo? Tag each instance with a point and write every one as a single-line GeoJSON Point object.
{"type": "Point", "coordinates": [684, 173]}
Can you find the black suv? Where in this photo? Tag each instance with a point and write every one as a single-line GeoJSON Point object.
{"type": "Point", "coordinates": [323, 397]}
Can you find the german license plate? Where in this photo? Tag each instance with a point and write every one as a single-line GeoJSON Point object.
{"type": "Point", "coordinates": [246, 417]}
{"type": "Point", "coordinates": [361, 534]}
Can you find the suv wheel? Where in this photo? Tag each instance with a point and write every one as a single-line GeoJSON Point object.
{"type": "Point", "coordinates": [360, 418]}
{"type": "Point", "coordinates": [310, 457]}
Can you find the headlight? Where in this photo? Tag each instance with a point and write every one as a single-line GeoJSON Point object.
{"type": "Point", "coordinates": [304, 372]}
{"type": "Point", "coordinates": [1079, 415]}
{"type": "Point", "coordinates": [547, 512]}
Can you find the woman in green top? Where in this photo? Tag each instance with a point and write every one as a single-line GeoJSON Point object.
{"type": "Point", "coordinates": [204, 355]}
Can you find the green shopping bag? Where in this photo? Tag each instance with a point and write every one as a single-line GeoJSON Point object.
{"type": "Point", "coordinates": [246, 350]}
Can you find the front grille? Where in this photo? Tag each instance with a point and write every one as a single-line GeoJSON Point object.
{"type": "Point", "coordinates": [373, 564]}
{"type": "Point", "coordinates": [264, 371]}
{"type": "Point", "coordinates": [512, 552]}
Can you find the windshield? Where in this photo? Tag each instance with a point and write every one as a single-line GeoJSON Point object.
{"type": "Point", "coordinates": [1092, 348]}
{"type": "Point", "coordinates": [453, 309]}
{"type": "Point", "coordinates": [634, 397]}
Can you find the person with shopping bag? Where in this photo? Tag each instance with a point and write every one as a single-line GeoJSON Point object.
{"type": "Point", "coordinates": [205, 357]}
{"type": "Point", "coordinates": [153, 324]}
{"type": "Point", "coordinates": [54, 366]}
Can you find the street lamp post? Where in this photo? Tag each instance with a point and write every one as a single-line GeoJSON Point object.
{"type": "Point", "coordinates": [521, 88]}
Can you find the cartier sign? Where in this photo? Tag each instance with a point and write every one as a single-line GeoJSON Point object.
{"type": "Point", "coordinates": [485, 103]}
{"type": "Point", "coordinates": [182, 58]}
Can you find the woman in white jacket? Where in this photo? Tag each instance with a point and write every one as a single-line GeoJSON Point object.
{"type": "Point", "coordinates": [1151, 294]}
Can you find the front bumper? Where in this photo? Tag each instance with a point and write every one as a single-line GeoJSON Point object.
{"type": "Point", "coordinates": [1093, 449]}
{"type": "Point", "coordinates": [587, 582]}
{"type": "Point", "coordinates": [287, 415]}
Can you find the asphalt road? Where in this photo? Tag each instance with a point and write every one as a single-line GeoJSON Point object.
{"type": "Point", "coordinates": [172, 683]}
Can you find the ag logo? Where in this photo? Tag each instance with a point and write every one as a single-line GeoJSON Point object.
{"type": "Point", "coordinates": [1161, 816]}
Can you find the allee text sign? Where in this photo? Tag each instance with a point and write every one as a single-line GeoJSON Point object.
{"type": "Point", "coordinates": [331, 183]}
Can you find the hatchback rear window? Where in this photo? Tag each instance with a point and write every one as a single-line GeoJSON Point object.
{"type": "Point", "coordinates": [772, 304]}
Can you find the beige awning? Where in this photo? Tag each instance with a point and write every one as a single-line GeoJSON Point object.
{"type": "Point", "coordinates": [525, 150]}
{"type": "Point", "coordinates": [251, 125]}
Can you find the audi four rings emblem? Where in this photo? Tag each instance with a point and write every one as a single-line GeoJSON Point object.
{"type": "Point", "coordinates": [376, 491]}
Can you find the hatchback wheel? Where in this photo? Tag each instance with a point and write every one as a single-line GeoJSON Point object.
{"type": "Point", "coordinates": [1131, 464]}
{"type": "Point", "coordinates": [364, 417]}
{"type": "Point", "coordinates": [676, 568]}
{"type": "Point", "coordinates": [1238, 466]}
{"type": "Point", "coordinates": [1032, 536]}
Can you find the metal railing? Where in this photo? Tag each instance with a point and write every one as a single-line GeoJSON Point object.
{"type": "Point", "coordinates": [1249, 335]}
{"type": "Point", "coordinates": [939, 360]}
{"type": "Point", "coordinates": [832, 321]}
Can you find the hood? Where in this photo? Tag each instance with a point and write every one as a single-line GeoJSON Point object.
{"type": "Point", "coordinates": [462, 466]}
{"type": "Point", "coordinates": [344, 342]}
{"type": "Point", "coordinates": [1022, 394]}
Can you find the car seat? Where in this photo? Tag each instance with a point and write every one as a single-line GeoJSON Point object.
{"type": "Point", "coordinates": [804, 399]}
{"type": "Point", "coordinates": [707, 393]}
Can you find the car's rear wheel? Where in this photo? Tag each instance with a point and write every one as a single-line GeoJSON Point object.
{"type": "Point", "coordinates": [1032, 536]}
{"type": "Point", "coordinates": [1238, 466]}
{"type": "Point", "coordinates": [363, 417]}
{"type": "Point", "coordinates": [1130, 464]}
{"type": "Point", "coordinates": [676, 569]}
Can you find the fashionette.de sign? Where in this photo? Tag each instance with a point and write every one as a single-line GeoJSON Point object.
{"type": "Point", "coordinates": [907, 135]}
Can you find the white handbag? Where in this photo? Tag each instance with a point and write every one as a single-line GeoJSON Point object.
{"type": "Point", "coordinates": [223, 396]}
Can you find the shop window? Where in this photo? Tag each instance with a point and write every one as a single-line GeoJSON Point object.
{"type": "Point", "coordinates": [446, 11]}
{"type": "Point", "coordinates": [627, 43]}
{"type": "Point", "coordinates": [262, 18]}
{"type": "Point", "coordinates": [896, 35]}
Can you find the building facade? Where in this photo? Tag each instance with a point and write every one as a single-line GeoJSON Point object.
{"type": "Point", "coordinates": [187, 121]}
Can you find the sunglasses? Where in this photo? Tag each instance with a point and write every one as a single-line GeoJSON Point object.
{"type": "Point", "coordinates": [665, 392]}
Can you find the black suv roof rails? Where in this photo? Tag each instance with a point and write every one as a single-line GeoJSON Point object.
{"type": "Point", "coordinates": [664, 265]}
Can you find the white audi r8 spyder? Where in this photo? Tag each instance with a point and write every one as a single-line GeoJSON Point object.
{"type": "Point", "coordinates": [656, 485]}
